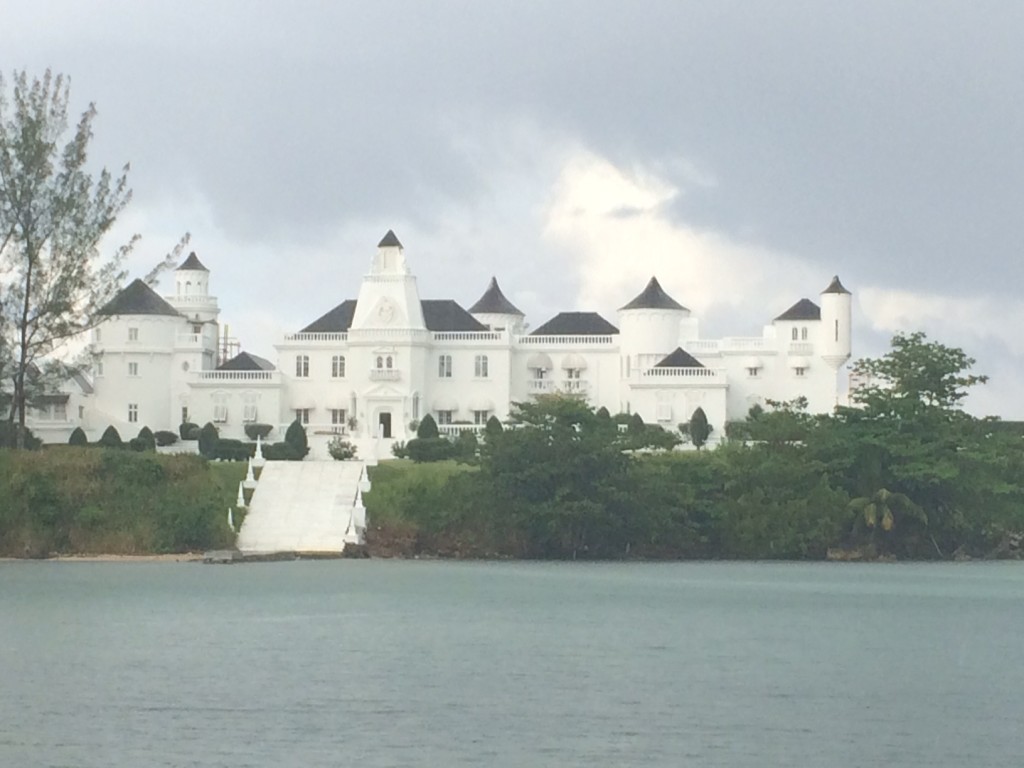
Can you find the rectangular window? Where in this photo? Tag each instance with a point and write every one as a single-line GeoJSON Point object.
{"type": "Point", "coordinates": [60, 412]}
{"type": "Point", "coordinates": [197, 329]}
{"type": "Point", "coordinates": [799, 371]}
{"type": "Point", "coordinates": [81, 412]}
{"type": "Point", "coordinates": [220, 413]}
{"type": "Point", "coordinates": [481, 417]}
{"type": "Point", "coordinates": [803, 334]}
{"type": "Point", "coordinates": [302, 366]}
{"type": "Point", "coordinates": [572, 373]}
{"type": "Point", "coordinates": [444, 417]}
{"type": "Point", "coordinates": [338, 367]}
{"type": "Point", "coordinates": [302, 415]}
{"type": "Point", "coordinates": [184, 414]}
{"type": "Point", "coordinates": [444, 366]}
{"type": "Point", "coordinates": [480, 367]}
{"type": "Point", "coordinates": [794, 334]}
{"type": "Point", "coordinates": [133, 413]}
{"type": "Point", "coordinates": [249, 413]}
{"type": "Point", "coordinates": [97, 335]}
{"type": "Point", "coordinates": [133, 369]}
{"type": "Point", "coordinates": [752, 372]}
{"type": "Point", "coordinates": [338, 416]}
{"type": "Point", "coordinates": [837, 330]}
{"type": "Point", "coordinates": [133, 334]}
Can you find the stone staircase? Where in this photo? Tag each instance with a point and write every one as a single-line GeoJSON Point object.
{"type": "Point", "coordinates": [306, 507]}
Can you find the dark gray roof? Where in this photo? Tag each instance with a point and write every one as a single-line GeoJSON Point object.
{"type": "Point", "coordinates": [805, 309]}
{"type": "Point", "coordinates": [835, 286]}
{"type": "Point", "coordinates": [447, 315]}
{"type": "Point", "coordinates": [494, 302]}
{"type": "Point", "coordinates": [245, 361]}
{"type": "Point", "coordinates": [337, 320]}
{"type": "Point", "coordinates": [438, 315]}
{"type": "Point", "coordinates": [576, 324]}
{"type": "Point", "coordinates": [192, 262]}
{"type": "Point", "coordinates": [137, 299]}
{"type": "Point", "coordinates": [680, 358]}
{"type": "Point", "coordinates": [390, 240]}
{"type": "Point", "coordinates": [654, 297]}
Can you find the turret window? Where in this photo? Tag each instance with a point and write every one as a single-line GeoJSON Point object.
{"type": "Point", "coordinates": [133, 369]}
{"type": "Point", "coordinates": [799, 372]}
{"type": "Point", "coordinates": [302, 366]}
{"type": "Point", "coordinates": [338, 367]}
{"type": "Point", "coordinates": [837, 330]}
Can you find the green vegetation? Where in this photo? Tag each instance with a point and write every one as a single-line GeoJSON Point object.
{"type": "Point", "coordinates": [71, 500]}
{"type": "Point", "coordinates": [903, 473]}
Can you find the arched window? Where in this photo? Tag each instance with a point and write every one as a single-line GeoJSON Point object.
{"type": "Point", "coordinates": [338, 367]}
{"type": "Point", "coordinates": [390, 362]}
{"type": "Point", "coordinates": [803, 333]}
{"type": "Point", "coordinates": [380, 362]}
{"type": "Point", "coordinates": [188, 287]}
{"type": "Point", "coordinates": [302, 366]}
{"type": "Point", "coordinates": [416, 406]}
{"type": "Point", "coordinates": [480, 367]}
{"type": "Point", "coordinates": [795, 333]}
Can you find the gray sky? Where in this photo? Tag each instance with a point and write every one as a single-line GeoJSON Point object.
{"type": "Point", "coordinates": [742, 151]}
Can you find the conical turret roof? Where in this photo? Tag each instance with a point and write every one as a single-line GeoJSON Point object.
{"type": "Point", "coordinates": [192, 262]}
{"type": "Point", "coordinates": [835, 286]}
{"type": "Point", "coordinates": [493, 302]}
{"type": "Point", "coordinates": [390, 240]}
{"type": "Point", "coordinates": [654, 297]}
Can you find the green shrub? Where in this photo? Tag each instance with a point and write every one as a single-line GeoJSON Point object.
{"type": "Point", "coordinates": [493, 427]}
{"type": "Point", "coordinates": [208, 440]}
{"type": "Point", "coordinates": [189, 431]}
{"type": "Point", "coordinates": [424, 449]}
{"type": "Point", "coordinates": [252, 431]}
{"type": "Point", "coordinates": [427, 428]}
{"type": "Point", "coordinates": [146, 439]}
{"type": "Point", "coordinates": [9, 436]}
{"type": "Point", "coordinates": [296, 438]}
{"type": "Point", "coordinates": [398, 450]}
{"type": "Point", "coordinates": [232, 450]}
{"type": "Point", "coordinates": [341, 449]}
{"type": "Point", "coordinates": [280, 452]}
{"type": "Point", "coordinates": [78, 437]}
{"type": "Point", "coordinates": [163, 437]}
{"type": "Point", "coordinates": [466, 446]}
{"type": "Point", "coordinates": [111, 438]}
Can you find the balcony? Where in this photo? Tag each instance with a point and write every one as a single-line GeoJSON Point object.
{"type": "Point", "coordinates": [385, 374]}
{"type": "Point", "coordinates": [227, 377]}
{"type": "Point", "coordinates": [317, 338]}
{"type": "Point", "coordinates": [540, 386]}
{"type": "Point", "coordinates": [683, 376]}
{"type": "Point", "coordinates": [801, 348]}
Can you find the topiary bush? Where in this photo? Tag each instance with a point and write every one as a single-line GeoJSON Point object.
{"type": "Point", "coordinates": [398, 450]}
{"type": "Point", "coordinates": [208, 437]}
{"type": "Point", "coordinates": [466, 446]}
{"type": "Point", "coordinates": [189, 431]}
{"type": "Point", "coordinates": [252, 431]}
{"type": "Point", "coordinates": [146, 439]}
{"type": "Point", "coordinates": [233, 450]}
{"type": "Point", "coordinates": [493, 427]}
{"type": "Point", "coordinates": [341, 449]}
{"type": "Point", "coordinates": [424, 449]}
{"type": "Point", "coordinates": [280, 452]}
{"type": "Point", "coordinates": [78, 437]}
{"type": "Point", "coordinates": [111, 438]}
{"type": "Point", "coordinates": [163, 437]}
{"type": "Point", "coordinates": [296, 438]}
{"type": "Point", "coordinates": [427, 428]}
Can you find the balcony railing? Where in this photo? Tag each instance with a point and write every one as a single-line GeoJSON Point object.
{"type": "Point", "coordinates": [697, 375]}
{"type": "Point", "coordinates": [194, 300]}
{"type": "Point", "coordinates": [385, 374]}
{"type": "Point", "coordinates": [539, 386]}
{"type": "Point", "coordinates": [801, 348]}
{"type": "Point", "coordinates": [454, 430]}
{"type": "Point", "coordinates": [316, 337]}
{"type": "Point", "coordinates": [227, 376]}
{"type": "Point", "coordinates": [471, 336]}
{"type": "Point", "coordinates": [567, 340]}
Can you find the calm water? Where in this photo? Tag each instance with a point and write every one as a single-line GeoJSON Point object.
{"type": "Point", "coordinates": [511, 664]}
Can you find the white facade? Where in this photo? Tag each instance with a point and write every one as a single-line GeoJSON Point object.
{"type": "Point", "coordinates": [376, 365]}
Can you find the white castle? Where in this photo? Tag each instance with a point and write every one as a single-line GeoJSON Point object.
{"type": "Point", "coordinates": [373, 366]}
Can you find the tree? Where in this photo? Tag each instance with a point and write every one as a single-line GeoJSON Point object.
{"type": "Point", "coordinates": [427, 428]}
{"type": "Point", "coordinates": [53, 215]}
{"type": "Point", "coordinates": [699, 428]}
{"type": "Point", "coordinates": [295, 436]}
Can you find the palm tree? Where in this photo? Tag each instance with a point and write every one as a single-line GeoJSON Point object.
{"type": "Point", "coordinates": [883, 510]}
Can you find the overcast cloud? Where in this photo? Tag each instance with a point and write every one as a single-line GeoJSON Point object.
{"type": "Point", "coordinates": [742, 151]}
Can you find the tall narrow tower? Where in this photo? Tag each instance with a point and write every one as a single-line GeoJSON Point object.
{"type": "Point", "coordinates": [192, 291]}
{"type": "Point", "coordinates": [836, 317]}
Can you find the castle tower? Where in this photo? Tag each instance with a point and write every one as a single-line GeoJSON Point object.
{"type": "Point", "coordinates": [192, 292]}
{"type": "Point", "coordinates": [649, 327]}
{"type": "Point", "coordinates": [836, 316]}
{"type": "Point", "coordinates": [388, 296]}
{"type": "Point", "coordinates": [497, 312]}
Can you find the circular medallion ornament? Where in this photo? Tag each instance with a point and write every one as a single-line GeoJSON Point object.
{"type": "Point", "coordinates": [386, 311]}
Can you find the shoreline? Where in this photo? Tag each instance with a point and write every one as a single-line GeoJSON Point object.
{"type": "Point", "coordinates": [184, 557]}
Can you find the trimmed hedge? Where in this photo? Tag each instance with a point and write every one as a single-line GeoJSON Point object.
{"type": "Point", "coordinates": [9, 433]}
{"type": "Point", "coordinates": [423, 449]}
{"type": "Point", "coordinates": [208, 436]}
{"type": "Point", "coordinates": [427, 428]}
{"type": "Point", "coordinates": [296, 438]}
{"type": "Point", "coordinates": [145, 439]}
{"type": "Point", "coordinates": [189, 431]}
{"type": "Point", "coordinates": [111, 438]}
{"type": "Point", "coordinates": [78, 437]}
{"type": "Point", "coordinates": [280, 452]}
{"type": "Point", "coordinates": [163, 437]}
{"type": "Point", "coordinates": [233, 450]}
